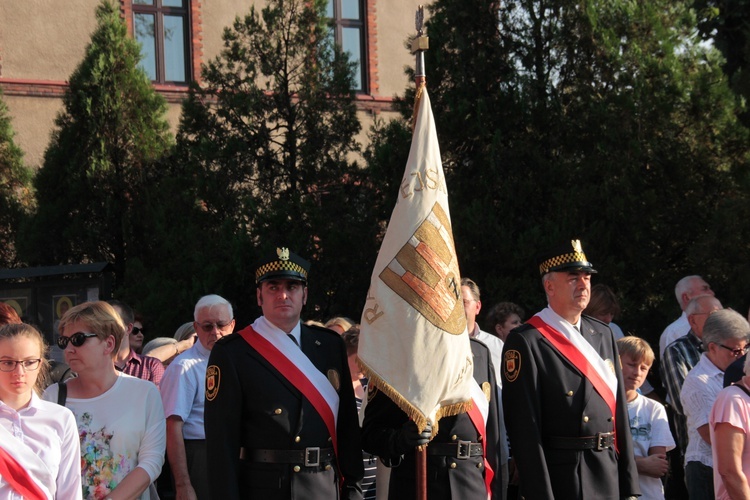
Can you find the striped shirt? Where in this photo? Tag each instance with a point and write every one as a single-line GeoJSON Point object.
{"type": "Point", "coordinates": [679, 358]}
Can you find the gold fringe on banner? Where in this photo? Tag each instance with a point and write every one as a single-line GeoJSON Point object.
{"type": "Point", "coordinates": [413, 413]}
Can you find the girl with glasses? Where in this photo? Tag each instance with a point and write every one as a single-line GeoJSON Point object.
{"type": "Point", "coordinates": [40, 456]}
{"type": "Point", "coordinates": [120, 418]}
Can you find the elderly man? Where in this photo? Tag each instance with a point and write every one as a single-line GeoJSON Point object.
{"type": "Point", "coordinates": [682, 355]}
{"type": "Point", "coordinates": [725, 337]}
{"type": "Point", "coordinates": [687, 288]}
{"type": "Point", "coordinates": [281, 419]}
{"type": "Point", "coordinates": [567, 416]}
{"type": "Point", "coordinates": [183, 395]}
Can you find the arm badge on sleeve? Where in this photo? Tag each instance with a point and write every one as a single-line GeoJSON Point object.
{"type": "Point", "coordinates": [512, 365]}
{"type": "Point", "coordinates": [213, 377]}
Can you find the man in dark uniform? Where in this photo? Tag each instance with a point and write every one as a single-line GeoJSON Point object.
{"type": "Point", "coordinates": [564, 399]}
{"type": "Point", "coordinates": [281, 419]}
{"type": "Point", "coordinates": [456, 468]}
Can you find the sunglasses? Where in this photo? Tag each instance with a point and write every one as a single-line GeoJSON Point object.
{"type": "Point", "coordinates": [137, 330]}
{"type": "Point", "coordinates": [209, 327]}
{"type": "Point", "coordinates": [77, 339]}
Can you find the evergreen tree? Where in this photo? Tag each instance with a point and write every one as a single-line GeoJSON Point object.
{"type": "Point", "coordinates": [15, 189]}
{"type": "Point", "coordinates": [110, 132]}
{"type": "Point", "coordinates": [603, 120]}
{"type": "Point", "coordinates": [269, 138]}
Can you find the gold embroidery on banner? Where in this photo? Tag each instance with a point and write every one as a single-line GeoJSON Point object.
{"type": "Point", "coordinates": [425, 274]}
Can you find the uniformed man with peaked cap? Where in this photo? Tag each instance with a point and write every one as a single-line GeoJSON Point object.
{"type": "Point", "coordinates": [564, 399]}
{"type": "Point", "coordinates": [281, 419]}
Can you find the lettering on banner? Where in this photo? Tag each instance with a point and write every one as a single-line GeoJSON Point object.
{"type": "Point", "coordinates": [373, 313]}
{"type": "Point", "coordinates": [419, 181]}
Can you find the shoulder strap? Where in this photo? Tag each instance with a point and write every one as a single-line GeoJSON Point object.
{"type": "Point", "coordinates": [62, 393]}
{"type": "Point", "coordinates": [742, 386]}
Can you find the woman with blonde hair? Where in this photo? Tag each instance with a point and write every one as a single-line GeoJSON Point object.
{"type": "Point", "coordinates": [39, 448]}
{"type": "Point", "coordinates": [120, 418]}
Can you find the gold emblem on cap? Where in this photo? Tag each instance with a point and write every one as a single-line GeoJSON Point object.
{"type": "Point", "coordinates": [213, 377]}
{"type": "Point", "coordinates": [334, 378]}
{"type": "Point", "coordinates": [512, 365]}
{"type": "Point", "coordinates": [487, 390]}
{"type": "Point", "coordinates": [577, 246]}
{"type": "Point", "coordinates": [283, 253]}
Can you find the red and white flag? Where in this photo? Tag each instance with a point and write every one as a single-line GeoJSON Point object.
{"type": "Point", "coordinates": [413, 342]}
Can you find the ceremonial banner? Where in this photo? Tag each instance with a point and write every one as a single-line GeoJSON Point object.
{"type": "Point", "coordinates": [413, 343]}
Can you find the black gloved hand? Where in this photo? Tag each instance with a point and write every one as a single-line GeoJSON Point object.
{"type": "Point", "coordinates": [409, 437]}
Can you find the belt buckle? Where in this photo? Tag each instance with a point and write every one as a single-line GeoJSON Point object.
{"type": "Point", "coordinates": [460, 446]}
{"type": "Point", "coordinates": [313, 452]}
{"type": "Point", "coordinates": [600, 440]}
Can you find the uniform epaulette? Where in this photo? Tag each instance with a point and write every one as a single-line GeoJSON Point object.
{"type": "Point", "coordinates": [322, 330]}
{"type": "Point", "coordinates": [593, 319]}
{"type": "Point", "coordinates": [228, 338]}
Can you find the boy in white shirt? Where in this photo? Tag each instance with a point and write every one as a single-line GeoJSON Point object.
{"type": "Point", "coordinates": [648, 419]}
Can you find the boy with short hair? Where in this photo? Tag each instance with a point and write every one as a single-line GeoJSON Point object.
{"type": "Point", "coordinates": [648, 419]}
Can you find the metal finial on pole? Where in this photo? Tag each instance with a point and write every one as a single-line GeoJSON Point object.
{"type": "Point", "coordinates": [419, 45]}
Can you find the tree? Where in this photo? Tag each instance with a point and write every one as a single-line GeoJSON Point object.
{"type": "Point", "coordinates": [724, 24]}
{"type": "Point", "coordinates": [605, 120]}
{"type": "Point", "coordinates": [269, 138]}
{"type": "Point", "coordinates": [109, 134]}
{"type": "Point", "coordinates": [15, 189]}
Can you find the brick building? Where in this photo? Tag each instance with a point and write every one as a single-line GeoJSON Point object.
{"type": "Point", "coordinates": [42, 41]}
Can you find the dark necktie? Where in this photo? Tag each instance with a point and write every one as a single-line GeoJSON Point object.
{"type": "Point", "coordinates": [294, 339]}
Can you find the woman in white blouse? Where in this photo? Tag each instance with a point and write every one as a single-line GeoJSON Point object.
{"type": "Point", "coordinates": [39, 451]}
{"type": "Point", "coordinates": [120, 418]}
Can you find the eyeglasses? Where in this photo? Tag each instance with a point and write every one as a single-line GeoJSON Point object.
{"type": "Point", "coordinates": [137, 330]}
{"type": "Point", "coordinates": [29, 365]}
{"type": "Point", "coordinates": [77, 339]}
{"type": "Point", "coordinates": [209, 327]}
{"type": "Point", "coordinates": [736, 352]}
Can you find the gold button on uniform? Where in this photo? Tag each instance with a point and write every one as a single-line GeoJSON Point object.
{"type": "Point", "coordinates": [454, 437]}
{"type": "Point", "coordinates": [328, 467]}
{"type": "Point", "coordinates": [585, 419]}
{"type": "Point", "coordinates": [453, 465]}
{"type": "Point", "coordinates": [277, 411]}
{"type": "Point", "coordinates": [570, 393]}
{"type": "Point", "coordinates": [296, 468]}
{"type": "Point", "coordinates": [479, 465]}
{"type": "Point", "coordinates": [297, 439]}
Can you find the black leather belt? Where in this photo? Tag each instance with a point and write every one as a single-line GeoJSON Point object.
{"type": "Point", "coordinates": [601, 441]}
{"type": "Point", "coordinates": [460, 449]}
{"type": "Point", "coordinates": [309, 457]}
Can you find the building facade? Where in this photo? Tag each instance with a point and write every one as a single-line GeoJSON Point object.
{"type": "Point", "coordinates": [42, 42]}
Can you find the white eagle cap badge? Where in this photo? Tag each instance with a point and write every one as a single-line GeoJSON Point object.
{"type": "Point", "coordinates": [576, 246]}
{"type": "Point", "coordinates": [283, 253]}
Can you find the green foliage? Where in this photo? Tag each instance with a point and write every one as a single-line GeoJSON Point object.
{"type": "Point", "coordinates": [95, 170]}
{"type": "Point", "coordinates": [724, 24]}
{"type": "Point", "coordinates": [603, 120]}
{"type": "Point", "coordinates": [15, 189]}
{"type": "Point", "coordinates": [269, 138]}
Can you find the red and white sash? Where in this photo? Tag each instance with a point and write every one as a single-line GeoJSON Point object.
{"type": "Point", "coordinates": [580, 353]}
{"type": "Point", "coordinates": [23, 469]}
{"type": "Point", "coordinates": [281, 351]}
{"type": "Point", "coordinates": [478, 414]}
